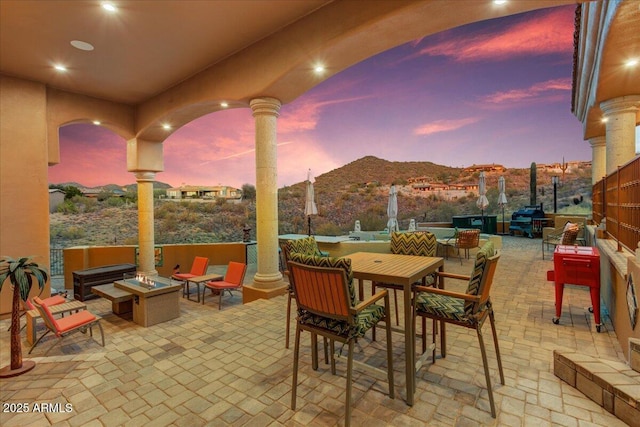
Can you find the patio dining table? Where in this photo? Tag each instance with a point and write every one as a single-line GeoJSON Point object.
{"type": "Point", "coordinates": [400, 270]}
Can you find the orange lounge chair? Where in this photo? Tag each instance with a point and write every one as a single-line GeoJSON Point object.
{"type": "Point", "coordinates": [232, 281]}
{"type": "Point", "coordinates": [80, 321]}
{"type": "Point", "coordinates": [198, 268]}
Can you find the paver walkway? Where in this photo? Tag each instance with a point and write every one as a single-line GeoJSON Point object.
{"type": "Point", "coordinates": [230, 367]}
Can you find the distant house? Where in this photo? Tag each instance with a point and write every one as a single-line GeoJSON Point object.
{"type": "Point", "coordinates": [485, 168]}
{"type": "Point", "coordinates": [204, 192]}
{"type": "Point", "coordinates": [444, 191]}
{"type": "Point", "coordinates": [56, 197]}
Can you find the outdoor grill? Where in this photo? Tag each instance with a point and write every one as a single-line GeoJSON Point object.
{"type": "Point", "coordinates": [527, 220]}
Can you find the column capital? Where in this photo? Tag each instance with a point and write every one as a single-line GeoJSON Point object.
{"type": "Point", "coordinates": [598, 141]}
{"type": "Point", "coordinates": [265, 106]}
{"type": "Point", "coordinates": [145, 176]}
{"type": "Point", "coordinates": [628, 103]}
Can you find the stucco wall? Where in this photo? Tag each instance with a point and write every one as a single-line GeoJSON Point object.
{"type": "Point", "coordinates": [24, 206]}
{"type": "Point", "coordinates": [83, 257]}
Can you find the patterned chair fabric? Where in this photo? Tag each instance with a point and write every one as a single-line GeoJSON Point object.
{"type": "Point", "coordinates": [470, 309]}
{"type": "Point", "coordinates": [415, 243]}
{"type": "Point", "coordinates": [456, 308]}
{"type": "Point", "coordinates": [307, 246]}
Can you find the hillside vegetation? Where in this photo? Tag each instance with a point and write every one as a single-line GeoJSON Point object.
{"type": "Point", "coordinates": [356, 191]}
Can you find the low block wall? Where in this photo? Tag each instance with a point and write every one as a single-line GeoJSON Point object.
{"type": "Point", "coordinates": [83, 257]}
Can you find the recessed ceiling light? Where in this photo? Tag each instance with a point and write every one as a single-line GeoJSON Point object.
{"type": "Point", "coordinates": [604, 120]}
{"type": "Point", "coordinates": [166, 126]}
{"type": "Point", "coordinates": [632, 62]}
{"type": "Point", "coordinates": [97, 122]}
{"type": "Point", "coordinates": [224, 104]}
{"type": "Point", "coordinates": [60, 67]}
{"type": "Point", "coordinates": [319, 69]}
{"type": "Point", "coordinates": [499, 1]}
{"type": "Point", "coordinates": [109, 6]}
{"type": "Point", "coordinates": [78, 44]}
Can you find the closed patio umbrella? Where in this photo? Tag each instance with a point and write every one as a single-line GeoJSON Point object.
{"type": "Point", "coordinates": [502, 199]}
{"type": "Point", "coordinates": [310, 207]}
{"type": "Point", "coordinates": [482, 202]}
{"type": "Point", "coordinates": [392, 210]}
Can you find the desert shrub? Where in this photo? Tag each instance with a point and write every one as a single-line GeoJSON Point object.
{"type": "Point", "coordinates": [328, 229]}
{"type": "Point", "coordinates": [67, 207]}
{"type": "Point", "coordinates": [114, 201]}
{"type": "Point", "coordinates": [71, 233]}
{"type": "Point", "coordinates": [131, 240]}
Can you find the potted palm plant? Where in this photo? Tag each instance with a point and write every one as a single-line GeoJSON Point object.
{"type": "Point", "coordinates": [20, 273]}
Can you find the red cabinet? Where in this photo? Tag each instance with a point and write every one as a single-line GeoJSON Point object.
{"type": "Point", "coordinates": [577, 265]}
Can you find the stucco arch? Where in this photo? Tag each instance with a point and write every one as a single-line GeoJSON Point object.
{"type": "Point", "coordinates": [64, 108]}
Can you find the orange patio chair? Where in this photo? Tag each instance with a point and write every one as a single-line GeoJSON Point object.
{"type": "Point", "coordinates": [198, 268]}
{"type": "Point", "coordinates": [232, 281]}
{"type": "Point", "coordinates": [54, 300]}
{"type": "Point", "coordinates": [80, 321]}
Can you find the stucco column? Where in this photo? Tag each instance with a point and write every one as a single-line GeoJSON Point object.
{"type": "Point", "coordinates": [265, 112]}
{"type": "Point", "coordinates": [620, 114]}
{"type": "Point", "coordinates": [598, 158]}
{"type": "Point", "coordinates": [146, 241]}
{"type": "Point", "coordinates": [144, 159]}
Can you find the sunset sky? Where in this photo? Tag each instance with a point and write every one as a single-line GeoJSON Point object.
{"type": "Point", "coordinates": [497, 91]}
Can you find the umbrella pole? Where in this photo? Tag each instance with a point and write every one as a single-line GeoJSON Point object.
{"type": "Point", "coordinates": [309, 223]}
{"type": "Point", "coordinates": [503, 232]}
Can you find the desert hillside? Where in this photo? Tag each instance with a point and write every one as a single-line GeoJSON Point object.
{"type": "Point", "coordinates": [358, 190]}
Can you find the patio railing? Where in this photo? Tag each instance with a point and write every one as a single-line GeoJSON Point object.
{"type": "Point", "coordinates": [56, 260]}
{"type": "Point", "coordinates": [616, 199]}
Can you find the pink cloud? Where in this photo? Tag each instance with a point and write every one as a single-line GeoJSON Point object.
{"type": "Point", "coordinates": [539, 35]}
{"type": "Point", "coordinates": [306, 114]}
{"type": "Point", "coordinates": [443, 126]}
{"type": "Point", "coordinates": [543, 91]}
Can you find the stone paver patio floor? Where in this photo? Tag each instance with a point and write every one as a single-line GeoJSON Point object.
{"type": "Point", "coordinates": [230, 367]}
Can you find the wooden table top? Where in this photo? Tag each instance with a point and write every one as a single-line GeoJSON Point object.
{"type": "Point", "coordinates": [392, 268]}
{"type": "Point", "coordinates": [206, 278]}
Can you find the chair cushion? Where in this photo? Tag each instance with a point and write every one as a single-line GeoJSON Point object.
{"type": "Point", "coordinates": [54, 300]}
{"type": "Point", "coordinates": [486, 252]}
{"type": "Point", "coordinates": [569, 233]}
{"type": "Point", "coordinates": [441, 306]}
{"type": "Point", "coordinates": [183, 276]}
{"type": "Point", "coordinates": [306, 246]}
{"type": "Point", "coordinates": [80, 318]}
{"type": "Point", "coordinates": [364, 320]}
{"type": "Point", "coordinates": [416, 243]}
{"type": "Point", "coordinates": [221, 284]}
{"type": "Point", "coordinates": [319, 261]}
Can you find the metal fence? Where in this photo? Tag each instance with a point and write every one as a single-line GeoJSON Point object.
{"type": "Point", "coordinates": [616, 199]}
{"type": "Point", "coordinates": [56, 260]}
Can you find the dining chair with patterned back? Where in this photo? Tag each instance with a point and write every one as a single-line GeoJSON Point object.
{"type": "Point", "coordinates": [418, 243]}
{"type": "Point", "coordinates": [306, 246]}
{"type": "Point", "coordinates": [469, 309]}
{"type": "Point", "coordinates": [328, 306]}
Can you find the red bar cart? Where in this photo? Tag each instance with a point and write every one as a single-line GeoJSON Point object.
{"type": "Point", "coordinates": [577, 265]}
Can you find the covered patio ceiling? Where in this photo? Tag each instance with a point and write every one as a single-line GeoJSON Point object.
{"type": "Point", "coordinates": [178, 60]}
